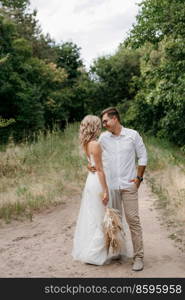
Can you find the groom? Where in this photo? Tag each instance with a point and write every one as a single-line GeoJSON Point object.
{"type": "Point", "coordinates": [121, 146]}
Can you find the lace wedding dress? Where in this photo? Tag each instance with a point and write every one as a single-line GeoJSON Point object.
{"type": "Point", "coordinates": [89, 241]}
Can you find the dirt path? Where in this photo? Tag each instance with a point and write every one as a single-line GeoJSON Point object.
{"type": "Point", "coordinates": [42, 248]}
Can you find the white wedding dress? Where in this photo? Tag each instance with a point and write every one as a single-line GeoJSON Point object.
{"type": "Point", "coordinates": [89, 242]}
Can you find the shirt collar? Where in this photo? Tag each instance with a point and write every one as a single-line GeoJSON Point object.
{"type": "Point", "coordinates": [121, 133]}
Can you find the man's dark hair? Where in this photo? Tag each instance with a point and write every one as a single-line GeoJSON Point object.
{"type": "Point", "coordinates": [111, 111]}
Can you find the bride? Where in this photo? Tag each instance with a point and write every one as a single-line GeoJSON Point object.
{"type": "Point", "coordinates": [89, 244]}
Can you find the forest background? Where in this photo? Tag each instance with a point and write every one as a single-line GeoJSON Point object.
{"type": "Point", "coordinates": [45, 90]}
{"type": "Point", "coordinates": [44, 83]}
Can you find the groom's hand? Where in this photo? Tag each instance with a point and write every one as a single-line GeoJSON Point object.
{"type": "Point", "coordinates": [91, 168]}
{"type": "Point", "coordinates": [136, 181]}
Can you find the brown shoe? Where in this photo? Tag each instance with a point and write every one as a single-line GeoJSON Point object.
{"type": "Point", "coordinates": [138, 264]}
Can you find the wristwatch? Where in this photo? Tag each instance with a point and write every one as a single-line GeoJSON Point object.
{"type": "Point", "coordinates": [140, 178]}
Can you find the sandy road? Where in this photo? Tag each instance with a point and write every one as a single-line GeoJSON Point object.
{"type": "Point", "coordinates": [42, 248]}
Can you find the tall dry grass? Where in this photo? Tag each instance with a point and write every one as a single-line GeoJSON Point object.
{"type": "Point", "coordinates": [52, 170]}
{"type": "Point", "coordinates": [166, 175]}
{"type": "Point", "coordinates": [41, 174]}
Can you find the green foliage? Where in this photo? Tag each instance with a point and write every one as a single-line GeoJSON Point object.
{"type": "Point", "coordinates": [40, 81]}
{"type": "Point", "coordinates": [68, 57]}
{"type": "Point", "coordinates": [157, 19]}
{"type": "Point", "coordinates": [38, 175]}
{"type": "Point", "coordinates": [113, 78]}
{"type": "Point", "coordinates": [159, 106]}
{"type": "Point", "coordinates": [15, 4]}
{"type": "Point", "coordinates": [43, 83]}
{"type": "Point", "coordinates": [75, 92]}
{"type": "Point", "coordinates": [5, 123]}
{"type": "Point", "coordinates": [26, 82]}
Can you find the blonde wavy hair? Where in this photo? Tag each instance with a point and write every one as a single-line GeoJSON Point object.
{"type": "Point", "coordinates": [90, 128]}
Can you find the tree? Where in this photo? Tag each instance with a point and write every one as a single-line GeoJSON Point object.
{"type": "Point", "coordinates": [159, 34]}
{"type": "Point", "coordinates": [26, 83]}
{"type": "Point", "coordinates": [18, 11]}
{"type": "Point", "coordinates": [68, 57]}
{"type": "Point", "coordinates": [113, 77]}
{"type": "Point", "coordinates": [41, 83]}
{"type": "Point", "coordinates": [156, 20]}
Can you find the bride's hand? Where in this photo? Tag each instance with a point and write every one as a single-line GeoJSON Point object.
{"type": "Point", "coordinates": [91, 168]}
{"type": "Point", "coordinates": [105, 198]}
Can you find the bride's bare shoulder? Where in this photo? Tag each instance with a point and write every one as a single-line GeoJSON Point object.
{"type": "Point", "coordinates": [94, 143]}
{"type": "Point", "coordinates": [95, 146]}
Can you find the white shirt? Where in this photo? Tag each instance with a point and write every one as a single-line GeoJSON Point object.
{"type": "Point", "coordinates": [119, 156]}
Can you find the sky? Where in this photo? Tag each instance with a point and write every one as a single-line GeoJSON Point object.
{"type": "Point", "coordinates": [96, 26]}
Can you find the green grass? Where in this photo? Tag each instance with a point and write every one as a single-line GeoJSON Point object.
{"type": "Point", "coordinates": [166, 175]}
{"type": "Point", "coordinates": [52, 170]}
{"type": "Point", "coordinates": [162, 153]}
{"type": "Point", "coordinates": [41, 174]}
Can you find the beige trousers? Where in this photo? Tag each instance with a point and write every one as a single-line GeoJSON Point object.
{"type": "Point", "coordinates": [129, 200]}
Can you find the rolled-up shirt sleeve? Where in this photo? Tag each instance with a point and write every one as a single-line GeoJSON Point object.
{"type": "Point", "coordinates": [141, 152]}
